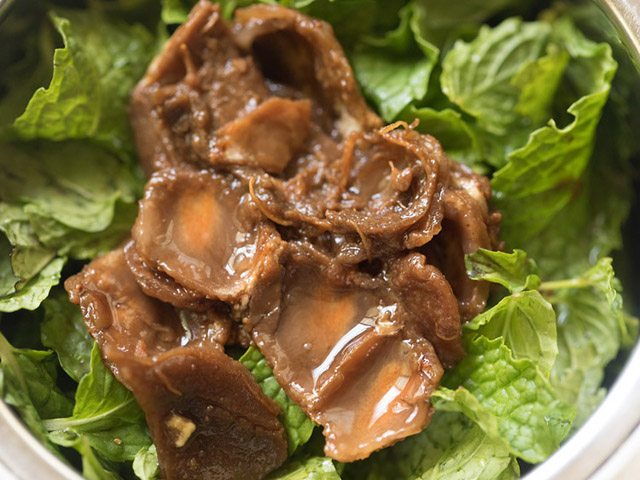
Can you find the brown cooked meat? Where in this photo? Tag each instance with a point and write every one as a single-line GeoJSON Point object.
{"type": "Point", "coordinates": [215, 87]}
{"type": "Point", "coordinates": [350, 351]}
{"type": "Point", "coordinates": [206, 414]}
{"type": "Point", "coordinates": [279, 211]}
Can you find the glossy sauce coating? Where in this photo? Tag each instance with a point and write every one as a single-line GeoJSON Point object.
{"type": "Point", "coordinates": [280, 211]}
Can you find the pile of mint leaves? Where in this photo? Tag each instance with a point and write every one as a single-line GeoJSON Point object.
{"type": "Point", "coordinates": [527, 93]}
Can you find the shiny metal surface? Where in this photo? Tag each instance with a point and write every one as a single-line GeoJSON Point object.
{"type": "Point", "coordinates": [625, 15]}
{"type": "Point", "coordinates": [602, 435]}
{"type": "Point", "coordinates": [23, 456]}
{"type": "Point", "coordinates": [606, 447]}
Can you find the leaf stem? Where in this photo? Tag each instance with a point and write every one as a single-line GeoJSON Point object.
{"type": "Point", "coordinates": [563, 284]}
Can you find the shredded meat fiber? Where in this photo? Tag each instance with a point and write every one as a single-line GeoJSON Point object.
{"type": "Point", "coordinates": [280, 212]}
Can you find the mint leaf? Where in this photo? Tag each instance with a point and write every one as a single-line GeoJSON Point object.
{"type": "Point", "coordinates": [537, 83]}
{"type": "Point", "coordinates": [443, 20]}
{"type": "Point", "coordinates": [175, 11]}
{"type": "Point", "coordinates": [78, 243]}
{"type": "Point", "coordinates": [58, 199]}
{"type": "Point", "coordinates": [28, 383]}
{"type": "Point", "coordinates": [372, 15]}
{"type": "Point", "coordinates": [298, 426]}
{"type": "Point", "coordinates": [526, 323]}
{"type": "Point", "coordinates": [394, 70]}
{"type": "Point", "coordinates": [592, 219]}
{"type": "Point", "coordinates": [509, 398]}
{"type": "Point", "coordinates": [591, 327]}
{"type": "Point", "coordinates": [26, 254]}
{"type": "Point", "coordinates": [33, 292]}
{"type": "Point", "coordinates": [64, 331]}
{"type": "Point", "coordinates": [92, 467]}
{"type": "Point", "coordinates": [105, 415]}
{"type": "Point", "coordinates": [541, 178]}
{"type": "Point", "coordinates": [71, 182]}
{"type": "Point", "coordinates": [451, 448]}
{"type": "Point", "coordinates": [92, 78]}
{"type": "Point", "coordinates": [312, 468]}
{"type": "Point", "coordinates": [145, 464]}
{"type": "Point", "coordinates": [514, 271]}
{"type": "Point", "coordinates": [485, 77]}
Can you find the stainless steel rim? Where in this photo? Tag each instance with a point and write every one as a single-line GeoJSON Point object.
{"type": "Point", "coordinates": [625, 15]}
{"type": "Point", "coordinates": [24, 456]}
{"type": "Point", "coordinates": [582, 456]}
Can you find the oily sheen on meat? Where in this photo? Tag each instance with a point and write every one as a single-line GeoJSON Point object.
{"type": "Point", "coordinates": [279, 211]}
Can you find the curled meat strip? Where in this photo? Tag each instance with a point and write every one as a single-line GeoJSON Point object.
{"type": "Point", "coordinates": [385, 190]}
{"type": "Point", "coordinates": [280, 211]}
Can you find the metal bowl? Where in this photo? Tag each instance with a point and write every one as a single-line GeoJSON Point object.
{"type": "Point", "coordinates": [606, 447]}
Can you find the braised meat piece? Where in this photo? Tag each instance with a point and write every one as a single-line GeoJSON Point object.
{"type": "Point", "coordinates": [268, 137]}
{"type": "Point", "coordinates": [159, 285]}
{"type": "Point", "coordinates": [213, 95]}
{"type": "Point", "coordinates": [280, 211]}
{"type": "Point", "coordinates": [385, 191]}
{"type": "Point", "coordinates": [303, 54]}
{"type": "Point", "coordinates": [467, 226]}
{"type": "Point", "coordinates": [200, 82]}
{"type": "Point", "coordinates": [427, 296]}
{"type": "Point", "coordinates": [200, 229]}
{"type": "Point", "coordinates": [351, 352]}
{"type": "Point", "coordinates": [207, 415]}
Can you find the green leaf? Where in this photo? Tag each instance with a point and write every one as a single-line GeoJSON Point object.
{"type": "Point", "coordinates": [31, 294]}
{"type": "Point", "coordinates": [58, 198]}
{"type": "Point", "coordinates": [64, 331]}
{"type": "Point", "coordinates": [105, 414]}
{"type": "Point", "coordinates": [537, 83]}
{"type": "Point", "coordinates": [526, 323]}
{"type": "Point", "coordinates": [394, 70]}
{"type": "Point", "coordinates": [372, 15]}
{"type": "Point", "coordinates": [145, 464]}
{"type": "Point", "coordinates": [443, 19]}
{"type": "Point", "coordinates": [592, 219]}
{"type": "Point", "coordinates": [92, 467]}
{"type": "Point", "coordinates": [485, 77]}
{"type": "Point", "coordinates": [514, 271]}
{"type": "Point", "coordinates": [312, 468]}
{"type": "Point", "coordinates": [28, 256]}
{"type": "Point", "coordinates": [70, 182]}
{"type": "Point", "coordinates": [174, 11]}
{"type": "Point", "coordinates": [80, 244]}
{"type": "Point", "coordinates": [28, 383]}
{"type": "Point", "coordinates": [591, 327]}
{"type": "Point", "coordinates": [450, 448]}
{"type": "Point", "coordinates": [509, 398]}
{"type": "Point", "coordinates": [22, 74]}
{"type": "Point", "coordinates": [92, 79]}
{"type": "Point", "coordinates": [298, 426]}
{"type": "Point", "coordinates": [541, 178]}
{"type": "Point", "coordinates": [8, 280]}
